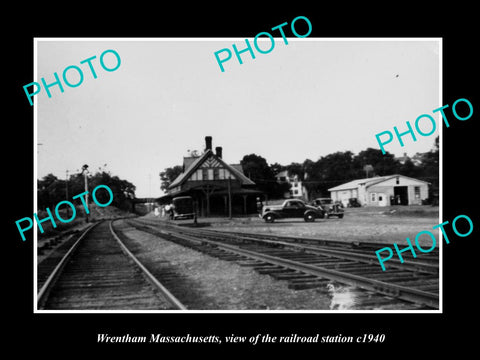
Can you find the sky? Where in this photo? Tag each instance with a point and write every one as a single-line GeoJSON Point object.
{"type": "Point", "coordinates": [303, 100]}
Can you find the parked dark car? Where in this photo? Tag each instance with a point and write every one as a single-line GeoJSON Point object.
{"type": "Point", "coordinates": [182, 208]}
{"type": "Point", "coordinates": [329, 207]}
{"type": "Point", "coordinates": [353, 202]}
{"type": "Point", "coordinates": [291, 208]}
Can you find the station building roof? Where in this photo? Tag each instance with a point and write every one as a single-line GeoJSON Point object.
{"type": "Point", "coordinates": [192, 164]}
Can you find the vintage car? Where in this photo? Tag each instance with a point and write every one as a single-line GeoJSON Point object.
{"type": "Point", "coordinates": [182, 208]}
{"type": "Point", "coordinates": [329, 207]}
{"type": "Point", "coordinates": [291, 208]}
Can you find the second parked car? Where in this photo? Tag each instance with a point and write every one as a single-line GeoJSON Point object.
{"type": "Point", "coordinates": [329, 207]}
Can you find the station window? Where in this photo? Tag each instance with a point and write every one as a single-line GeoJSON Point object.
{"type": "Point", "coordinates": [295, 192]}
{"type": "Point", "coordinates": [373, 196]}
{"type": "Point", "coordinates": [216, 174]}
{"type": "Point", "coordinates": [210, 174]}
{"type": "Point", "coordinates": [398, 181]}
{"type": "Point", "coordinates": [204, 174]}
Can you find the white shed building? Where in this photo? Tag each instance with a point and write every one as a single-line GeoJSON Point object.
{"type": "Point", "coordinates": [382, 191]}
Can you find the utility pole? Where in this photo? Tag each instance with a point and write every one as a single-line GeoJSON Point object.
{"type": "Point", "coordinates": [66, 191]}
{"type": "Point", "coordinates": [85, 172]}
{"type": "Point", "coordinates": [149, 192]}
{"type": "Point", "coordinates": [229, 198]}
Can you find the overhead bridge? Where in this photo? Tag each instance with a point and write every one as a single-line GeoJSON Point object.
{"type": "Point", "coordinates": [147, 201]}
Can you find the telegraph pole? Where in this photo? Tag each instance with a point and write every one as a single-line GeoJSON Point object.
{"type": "Point", "coordinates": [149, 192]}
{"type": "Point", "coordinates": [85, 172]}
{"type": "Point", "coordinates": [229, 198]}
{"type": "Point", "coordinates": [66, 191]}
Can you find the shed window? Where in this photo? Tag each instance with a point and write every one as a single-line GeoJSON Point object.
{"type": "Point", "coordinates": [398, 180]}
{"type": "Point", "coordinates": [373, 196]}
{"type": "Point", "coordinates": [417, 192]}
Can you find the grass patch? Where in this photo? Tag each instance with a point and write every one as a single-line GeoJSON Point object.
{"type": "Point", "coordinates": [412, 210]}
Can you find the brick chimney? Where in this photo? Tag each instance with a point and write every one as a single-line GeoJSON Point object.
{"type": "Point", "coordinates": [208, 142]}
{"type": "Point", "coordinates": [218, 151]}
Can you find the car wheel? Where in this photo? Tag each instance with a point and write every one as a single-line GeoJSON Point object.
{"type": "Point", "coordinates": [340, 216]}
{"type": "Point", "coordinates": [269, 218]}
{"type": "Point", "coordinates": [309, 217]}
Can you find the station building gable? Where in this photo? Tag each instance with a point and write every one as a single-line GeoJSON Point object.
{"type": "Point", "coordinates": [213, 183]}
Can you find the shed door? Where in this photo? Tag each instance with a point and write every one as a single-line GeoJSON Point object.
{"type": "Point", "coordinates": [382, 199]}
{"type": "Point", "coordinates": [400, 194]}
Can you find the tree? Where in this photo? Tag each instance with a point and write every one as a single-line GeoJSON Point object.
{"type": "Point", "coordinates": [382, 164]}
{"type": "Point", "coordinates": [257, 169]}
{"type": "Point", "coordinates": [430, 168]}
{"type": "Point", "coordinates": [51, 190]}
{"type": "Point", "coordinates": [328, 171]}
{"type": "Point", "coordinates": [408, 168]}
{"type": "Point", "coordinates": [276, 168]}
{"type": "Point", "coordinates": [123, 191]}
{"type": "Point", "coordinates": [169, 175]}
{"type": "Point", "coordinates": [296, 169]}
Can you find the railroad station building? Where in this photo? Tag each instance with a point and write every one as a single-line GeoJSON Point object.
{"type": "Point", "coordinates": [214, 185]}
{"type": "Point", "coordinates": [382, 191]}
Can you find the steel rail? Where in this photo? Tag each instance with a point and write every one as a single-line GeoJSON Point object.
{"type": "Point", "coordinates": [355, 245]}
{"type": "Point", "coordinates": [167, 294]}
{"type": "Point", "coordinates": [388, 289]}
{"type": "Point", "coordinates": [342, 254]}
{"type": "Point", "coordinates": [48, 284]}
{"type": "Point", "coordinates": [321, 242]}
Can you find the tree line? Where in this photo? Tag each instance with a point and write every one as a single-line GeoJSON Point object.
{"type": "Point", "coordinates": [51, 190]}
{"type": "Point", "coordinates": [332, 170]}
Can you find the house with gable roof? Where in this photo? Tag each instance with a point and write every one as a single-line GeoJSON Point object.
{"type": "Point", "coordinates": [213, 183]}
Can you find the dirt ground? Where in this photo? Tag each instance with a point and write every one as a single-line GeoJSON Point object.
{"type": "Point", "coordinates": [368, 224]}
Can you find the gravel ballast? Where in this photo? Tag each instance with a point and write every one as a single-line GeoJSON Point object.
{"type": "Point", "coordinates": [203, 282]}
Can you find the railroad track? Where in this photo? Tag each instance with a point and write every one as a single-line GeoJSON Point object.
{"type": "Point", "coordinates": [98, 272]}
{"type": "Point", "coordinates": [413, 283]}
{"type": "Point", "coordinates": [358, 251]}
